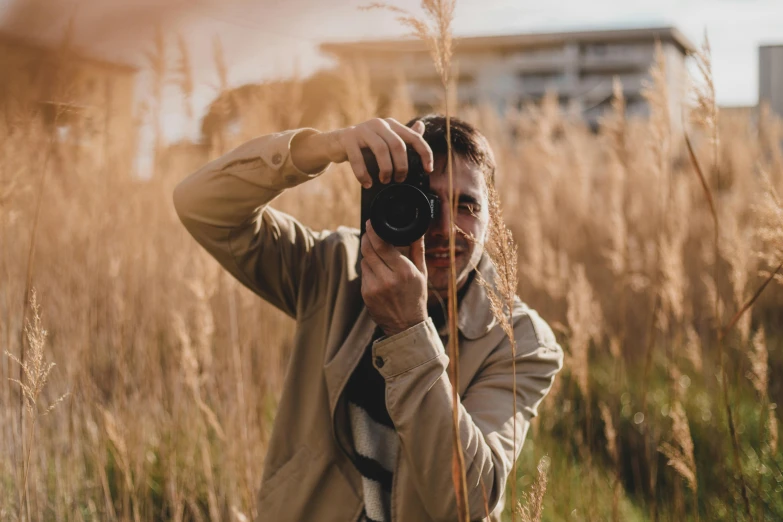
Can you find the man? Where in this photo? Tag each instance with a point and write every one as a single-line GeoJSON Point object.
{"type": "Point", "coordinates": [364, 426]}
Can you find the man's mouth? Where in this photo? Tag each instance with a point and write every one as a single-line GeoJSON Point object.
{"type": "Point", "coordinates": [440, 256]}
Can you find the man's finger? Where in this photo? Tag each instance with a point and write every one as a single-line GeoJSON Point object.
{"type": "Point", "coordinates": [385, 252]}
{"type": "Point", "coordinates": [358, 166]}
{"type": "Point", "coordinates": [413, 137]}
{"type": "Point", "coordinates": [367, 271]}
{"type": "Point", "coordinates": [381, 152]}
{"type": "Point", "coordinates": [369, 253]}
{"type": "Point", "coordinates": [417, 255]}
{"type": "Point", "coordinates": [397, 149]}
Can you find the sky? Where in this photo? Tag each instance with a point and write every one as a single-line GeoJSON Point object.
{"type": "Point", "coordinates": [268, 39]}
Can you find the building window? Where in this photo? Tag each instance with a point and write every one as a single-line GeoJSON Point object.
{"type": "Point", "coordinates": [540, 81]}
{"type": "Point", "coordinates": [540, 76]}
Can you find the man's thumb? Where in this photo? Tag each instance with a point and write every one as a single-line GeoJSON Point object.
{"type": "Point", "coordinates": [417, 255]}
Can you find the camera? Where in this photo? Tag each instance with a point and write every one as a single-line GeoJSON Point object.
{"type": "Point", "coordinates": [400, 212]}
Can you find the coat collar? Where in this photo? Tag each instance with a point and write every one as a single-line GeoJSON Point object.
{"type": "Point", "coordinates": [475, 318]}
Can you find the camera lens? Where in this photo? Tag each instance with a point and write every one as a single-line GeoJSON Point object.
{"type": "Point", "coordinates": [400, 214]}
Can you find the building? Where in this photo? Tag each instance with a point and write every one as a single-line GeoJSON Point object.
{"type": "Point", "coordinates": [85, 103]}
{"type": "Point", "coordinates": [509, 71]}
{"type": "Point", "coordinates": [771, 77]}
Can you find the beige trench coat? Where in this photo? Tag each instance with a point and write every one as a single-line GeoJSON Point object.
{"type": "Point", "coordinates": [312, 276]}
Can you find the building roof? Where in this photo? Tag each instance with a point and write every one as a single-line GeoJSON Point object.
{"type": "Point", "coordinates": [393, 46]}
{"type": "Point", "coordinates": [30, 43]}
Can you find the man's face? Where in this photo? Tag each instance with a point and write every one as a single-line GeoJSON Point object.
{"type": "Point", "coordinates": [471, 220]}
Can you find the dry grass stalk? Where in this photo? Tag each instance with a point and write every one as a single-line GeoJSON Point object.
{"type": "Point", "coordinates": [769, 235]}
{"type": "Point", "coordinates": [614, 124]}
{"type": "Point", "coordinates": [775, 274]}
{"type": "Point", "coordinates": [615, 347]}
{"type": "Point", "coordinates": [358, 102]}
{"type": "Point", "coordinates": [772, 430]}
{"type": "Point", "coordinates": [680, 451]}
{"type": "Point", "coordinates": [533, 507]}
{"type": "Point", "coordinates": [183, 76]}
{"type": "Point", "coordinates": [673, 281]}
{"type": "Point", "coordinates": [157, 62]}
{"type": "Point", "coordinates": [206, 462]}
{"type": "Point", "coordinates": [613, 127]}
{"type": "Point", "coordinates": [656, 93]}
{"type": "Point", "coordinates": [585, 323]}
{"type": "Point", "coordinates": [435, 31]}
{"type": "Point", "coordinates": [693, 348]}
{"type": "Point", "coordinates": [614, 453]}
{"type": "Point", "coordinates": [502, 292]}
{"type": "Point", "coordinates": [35, 371]}
{"type": "Point", "coordinates": [115, 433]}
{"type": "Point", "coordinates": [190, 368]}
{"type": "Point", "coordinates": [736, 249]}
{"type": "Point", "coordinates": [705, 186]}
{"type": "Point", "coordinates": [27, 297]}
{"type": "Point", "coordinates": [769, 229]}
{"type": "Point", "coordinates": [610, 433]}
{"type": "Point", "coordinates": [705, 115]}
{"type": "Point", "coordinates": [705, 112]}
{"type": "Point", "coordinates": [238, 516]}
{"type": "Point", "coordinates": [759, 378]}
{"type": "Point", "coordinates": [759, 365]}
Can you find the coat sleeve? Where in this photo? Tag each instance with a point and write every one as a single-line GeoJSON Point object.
{"type": "Point", "coordinates": [418, 397]}
{"type": "Point", "coordinates": [224, 206]}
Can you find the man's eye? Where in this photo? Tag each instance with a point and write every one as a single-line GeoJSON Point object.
{"type": "Point", "coordinates": [470, 208]}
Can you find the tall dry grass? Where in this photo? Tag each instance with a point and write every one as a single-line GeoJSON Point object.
{"type": "Point", "coordinates": [174, 370]}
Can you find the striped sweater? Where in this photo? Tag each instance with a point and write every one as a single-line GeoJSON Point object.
{"type": "Point", "coordinates": [375, 442]}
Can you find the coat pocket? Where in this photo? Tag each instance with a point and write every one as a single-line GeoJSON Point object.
{"type": "Point", "coordinates": [274, 490]}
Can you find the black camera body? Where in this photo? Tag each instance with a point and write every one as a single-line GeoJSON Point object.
{"type": "Point", "coordinates": [400, 212]}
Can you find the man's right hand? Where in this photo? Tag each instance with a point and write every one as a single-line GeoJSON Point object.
{"type": "Point", "coordinates": [387, 138]}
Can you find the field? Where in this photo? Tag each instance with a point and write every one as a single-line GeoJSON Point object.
{"type": "Point", "coordinates": [172, 369]}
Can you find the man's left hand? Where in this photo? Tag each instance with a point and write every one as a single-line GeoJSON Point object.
{"type": "Point", "coordinates": [394, 287]}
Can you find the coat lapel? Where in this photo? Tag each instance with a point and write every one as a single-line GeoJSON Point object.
{"type": "Point", "coordinates": [475, 317]}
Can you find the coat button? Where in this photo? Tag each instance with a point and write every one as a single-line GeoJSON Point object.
{"type": "Point", "coordinates": [277, 158]}
{"type": "Point", "coordinates": [379, 362]}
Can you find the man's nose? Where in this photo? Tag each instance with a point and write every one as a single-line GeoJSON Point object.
{"type": "Point", "coordinates": [440, 223]}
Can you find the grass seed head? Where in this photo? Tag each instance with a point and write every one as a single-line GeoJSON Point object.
{"type": "Point", "coordinates": [533, 507]}
{"type": "Point", "coordinates": [680, 450]}
{"type": "Point", "coordinates": [35, 368]}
